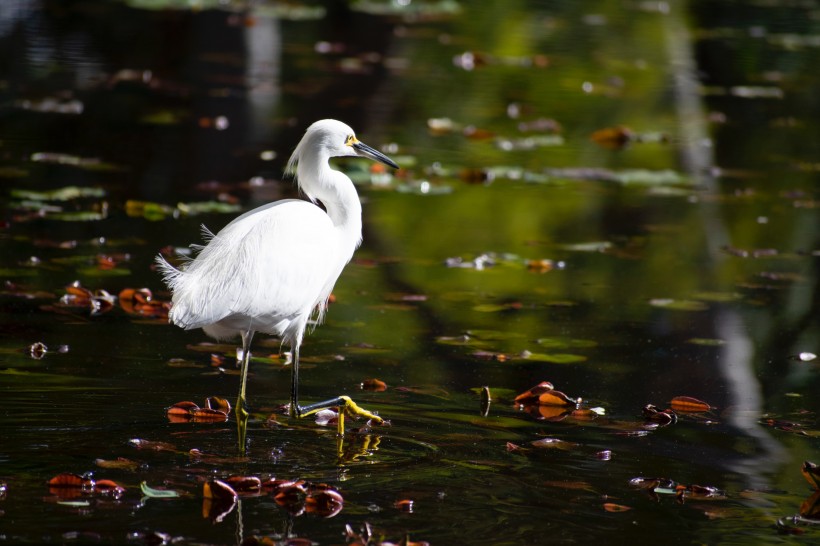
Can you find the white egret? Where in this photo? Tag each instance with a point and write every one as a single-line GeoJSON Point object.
{"type": "Point", "coordinates": [271, 269]}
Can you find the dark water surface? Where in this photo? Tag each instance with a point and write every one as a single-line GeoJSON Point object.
{"type": "Point", "coordinates": [675, 254]}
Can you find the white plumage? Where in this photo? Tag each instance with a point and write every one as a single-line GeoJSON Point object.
{"type": "Point", "coordinates": [273, 268]}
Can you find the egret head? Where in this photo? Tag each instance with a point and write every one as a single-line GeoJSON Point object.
{"type": "Point", "coordinates": [330, 138]}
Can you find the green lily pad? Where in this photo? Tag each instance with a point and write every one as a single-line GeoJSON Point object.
{"type": "Point", "coordinates": [60, 194]}
{"type": "Point", "coordinates": [706, 342]}
{"type": "Point", "coordinates": [678, 305]}
{"type": "Point", "coordinates": [494, 335]}
{"type": "Point", "coordinates": [555, 358]}
{"type": "Point", "coordinates": [563, 343]}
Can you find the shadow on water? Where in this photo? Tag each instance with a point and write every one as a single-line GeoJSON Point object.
{"type": "Point", "coordinates": [619, 199]}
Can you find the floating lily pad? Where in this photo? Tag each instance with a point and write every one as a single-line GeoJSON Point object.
{"type": "Point", "coordinates": [717, 297]}
{"type": "Point", "coordinates": [706, 342]}
{"type": "Point", "coordinates": [102, 272]}
{"type": "Point", "coordinates": [60, 194]}
{"type": "Point", "coordinates": [79, 216]}
{"type": "Point", "coordinates": [555, 358]}
{"type": "Point", "coordinates": [562, 342]}
{"type": "Point", "coordinates": [678, 305]}
{"type": "Point", "coordinates": [593, 246]}
{"type": "Point", "coordinates": [85, 163]}
{"type": "Point", "coordinates": [494, 335]}
{"type": "Point", "coordinates": [490, 308]}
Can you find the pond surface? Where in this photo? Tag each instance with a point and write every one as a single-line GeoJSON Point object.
{"type": "Point", "coordinates": [618, 198]}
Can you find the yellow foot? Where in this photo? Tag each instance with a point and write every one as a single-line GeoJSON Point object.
{"type": "Point", "coordinates": [346, 406]}
{"type": "Point", "coordinates": [349, 407]}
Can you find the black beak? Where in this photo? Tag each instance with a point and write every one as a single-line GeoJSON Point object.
{"type": "Point", "coordinates": [366, 151]}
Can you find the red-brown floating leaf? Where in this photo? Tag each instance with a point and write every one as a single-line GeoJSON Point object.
{"type": "Point", "coordinates": [405, 505]}
{"type": "Point", "coordinates": [120, 463]}
{"type": "Point", "coordinates": [245, 484]}
{"type": "Point", "coordinates": [556, 398]}
{"type": "Point", "coordinates": [697, 492]}
{"type": "Point", "coordinates": [651, 483]}
{"type": "Point", "coordinates": [612, 507]}
{"type": "Point", "coordinates": [185, 408]}
{"type": "Point", "coordinates": [151, 445]}
{"type": "Point", "coordinates": [532, 394]}
{"type": "Point", "coordinates": [153, 309]}
{"type": "Point", "coordinates": [217, 403]}
{"type": "Point", "coordinates": [810, 508]}
{"type": "Point", "coordinates": [218, 490]}
{"type": "Point", "coordinates": [811, 472]}
{"type": "Point", "coordinates": [131, 298]}
{"type": "Point", "coordinates": [583, 414]}
{"type": "Point", "coordinates": [291, 497]}
{"type": "Point", "coordinates": [651, 413]}
{"type": "Point", "coordinates": [375, 385]}
{"type": "Point", "coordinates": [513, 447]}
{"type": "Point", "coordinates": [275, 485]}
{"type": "Point", "coordinates": [105, 262]}
{"type": "Point", "coordinates": [613, 138]}
{"type": "Point", "coordinates": [70, 480]}
{"type": "Point", "coordinates": [78, 291]}
{"type": "Point", "coordinates": [217, 360]}
{"type": "Point", "coordinates": [109, 487]}
{"type": "Point", "coordinates": [476, 133]}
{"type": "Point", "coordinates": [326, 503]}
{"type": "Point", "coordinates": [475, 176]}
{"type": "Point", "coordinates": [689, 404]}
{"type": "Point", "coordinates": [102, 303]}
{"type": "Point", "coordinates": [207, 415]}
{"type": "Point", "coordinates": [540, 266]}
{"type": "Point", "coordinates": [704, 490]}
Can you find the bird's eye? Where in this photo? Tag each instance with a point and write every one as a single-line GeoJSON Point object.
{"type": "Point", "coordinates": [350, 140]}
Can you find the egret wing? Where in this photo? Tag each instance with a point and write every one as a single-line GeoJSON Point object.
{"type": "Point", "coordinates": [269, 265]}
